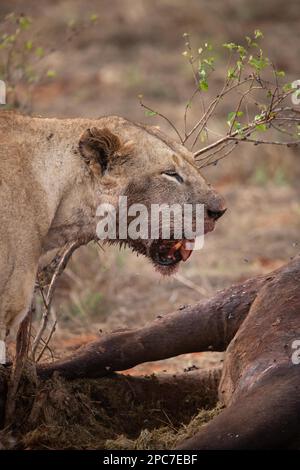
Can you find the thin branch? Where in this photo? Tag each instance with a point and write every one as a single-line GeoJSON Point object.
{"type": "Point", "coordinates": [48, 300]}
{"type": "Point", "coordinates": [215, 161]}
{"type": "Point", "coordinates": [156, 113]}
{"type": "Point", "coordinates": [211, 108]}
{"type": "Point", "coordinates": [215, 152]}
{"type": "Point", "coordinates": [216, 144]}
{"type": "Point", "coordinates": [237, 110]}
{"type": "Point", "coordinates": [293, 119]}
{"type": "Point", "coordinates": [191, 58]}
{"type": "Point", "coordinates": [270, 142]}
{"type": "Point", "coordinates": [46, 343]}
{"type": "Point", "coordinates": [187, 106]}
{"type": "Point", "coordinates": [266, 118]}
{"type": "Point", "coordinates": [283, 131]}
{"type": "Point", "coordinates": [190, 284]}
{"type": "Point", "coordinates": [208, 160]}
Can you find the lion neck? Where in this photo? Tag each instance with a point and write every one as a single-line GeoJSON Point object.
{"type": "Point", "coordinates": [70, 198]}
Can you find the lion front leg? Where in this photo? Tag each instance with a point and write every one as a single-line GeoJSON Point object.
{"type": "Point", "coordinates": [15, 298]}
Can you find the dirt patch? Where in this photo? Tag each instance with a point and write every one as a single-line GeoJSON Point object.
{"type": "Point", "coordinates": [115, 412]}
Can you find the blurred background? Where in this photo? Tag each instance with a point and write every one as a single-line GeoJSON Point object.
{"type": "Point", "coordinates": [98, 56]}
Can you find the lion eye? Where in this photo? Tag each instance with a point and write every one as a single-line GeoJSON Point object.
{"type": "Point", "coordinates": [174, 175]}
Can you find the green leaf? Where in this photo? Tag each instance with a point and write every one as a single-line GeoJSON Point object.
{"type": "Point", "coordinates": [258, 117]}
{"type": "Point", "coordinates": [250, 42]}
{"type": "Point", "coordinates": [51, 74]}
{"type": "Point", "coordinates": [231, 73]}
{"type": "Point", "coordinates": [258, 63]}
{"type": "Point", "coordinates": [230, 45]}
{"type": "Point", "coordinates": [39, 52]}
{"type": "Point", "coordinates": [209, 61]}
{"type": "Point", "coordinates": [237, 126]}
{"type": "Point", "coordinates": [93, 17]}
{"type": "Point", "coordinates": [24, 22]}
{"type": "Point", "coordinates": [202, 71]}
{"type": "Point", "coordinates": [287, 87]}
{"type": "Point", "coordinates": [28, 45]}
{"type": "Point", "coordinates": [280, 73]}
{"type": "Point", "coordinates": [258, 34]}
{"type": "Point", "coordinates": [261, 127]}
{"type": "Point", "coordinates": [203, 84]}
{"type": "Point", "coordinates": [149, 113]}
{"type": "Point", "coordinates": [232, 116]}
{"type": "Point", "coordinates": [242, 51]}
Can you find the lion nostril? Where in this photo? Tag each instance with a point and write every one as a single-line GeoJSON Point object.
{"type": "Point", "coordinates": [215, 215]}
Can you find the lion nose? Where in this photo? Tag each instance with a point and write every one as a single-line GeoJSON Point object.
{"type": "Point", "coordinates": [216, 206]}
{"type": "Point", "coordinates": [215, 215]}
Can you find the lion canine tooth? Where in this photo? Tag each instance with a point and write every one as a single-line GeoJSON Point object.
{"type": "Point", "coordinates": [177, 245]}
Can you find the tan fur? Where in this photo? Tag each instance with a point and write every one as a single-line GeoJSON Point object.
{"type": "Point", "coordinates": [53, 177]}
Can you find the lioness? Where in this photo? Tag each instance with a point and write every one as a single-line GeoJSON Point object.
{"type": "Point", "coordinates": [53, 175]}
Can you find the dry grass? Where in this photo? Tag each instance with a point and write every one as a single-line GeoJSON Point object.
{"type": "Point", "coordinates": [99, 413]}
{"type": "Point", "coordinates": [165, 437]}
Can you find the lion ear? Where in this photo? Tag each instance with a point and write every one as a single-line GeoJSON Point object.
{"type": "Point", "coordinates": [99, 147]}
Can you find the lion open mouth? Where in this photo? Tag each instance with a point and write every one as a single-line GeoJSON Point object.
{"type": "Point", "coordinates": [165, 254]}
{"type": "Point", "coordinates": [171, 252]}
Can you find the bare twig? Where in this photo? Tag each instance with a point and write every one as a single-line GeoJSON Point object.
{"type": "Point", "coordinates": [219, 142]}
{"type": "Point", "coordinates": [211, 156]}
{"type": "Point", "coordinates": [242, 135]}
{"type": "Point", "coordinates": [191, 285]}
{"type": "Point", "coordinates": [187, 106]}
{"type": "Point", "coordinates": [210, 162]}
{"type": "Point", "coordinates": [294, 143]}
{"type": "Point", "coordinates": [243, 96]}
{"type": "Point", "coordinates": [156, 113]}
{"type": "Point", "coordinates": [46, 343]}
{"type": "Point", "coordinates": [212, 107]}
{"type": "Point", "coordinates": [48, 299]}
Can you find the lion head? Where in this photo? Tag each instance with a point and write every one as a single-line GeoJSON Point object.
{"type": "Point", "coordinates": [149, 169]}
